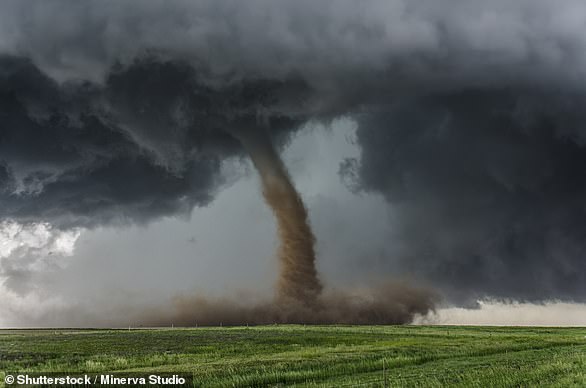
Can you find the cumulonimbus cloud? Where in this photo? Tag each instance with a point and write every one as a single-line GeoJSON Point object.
{"type": "Point", "coordinates": [470, 118]}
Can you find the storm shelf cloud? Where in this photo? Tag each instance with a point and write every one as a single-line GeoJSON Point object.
{"type": "Point", "coordinates": [469, 121]}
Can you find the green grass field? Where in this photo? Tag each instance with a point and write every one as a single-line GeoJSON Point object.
{"type": "Point", "coordinates": [420, 356]}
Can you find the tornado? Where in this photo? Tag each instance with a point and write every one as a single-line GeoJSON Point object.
{"type": "Point", "coordinates": [298, 281]}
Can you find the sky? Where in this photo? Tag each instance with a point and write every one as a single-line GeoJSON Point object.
{"type": "Point", "coordinates": [439, 144]}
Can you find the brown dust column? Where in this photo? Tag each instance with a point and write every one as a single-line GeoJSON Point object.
{"type": "Point", "coordinates": [298, 281]}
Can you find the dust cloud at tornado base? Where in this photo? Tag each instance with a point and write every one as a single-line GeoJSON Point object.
{"type": "Point", "coordinates": [391, 303]}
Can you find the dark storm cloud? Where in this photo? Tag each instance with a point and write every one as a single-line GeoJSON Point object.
{"type": "Point", "coordinates": [470, 117]}
{"type": "Point", "coordinates": [70, 166]}
{"type": "Point", "coordinates": [489, 189]}
{"type": "Point", "coordinates": [334, 43]}
{"type": "Point", "coordinates": [147, 143]}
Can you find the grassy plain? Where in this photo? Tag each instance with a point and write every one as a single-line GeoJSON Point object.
{"type": "Point", "coordinates": [412, 356]}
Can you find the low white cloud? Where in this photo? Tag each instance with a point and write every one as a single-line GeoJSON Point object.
{"type": "Point", "coordinates": [511, 313]}
{"type": "Point", "coordinates": [37, 238]}
{"type": "Point", "coordinates": [28, 249]}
